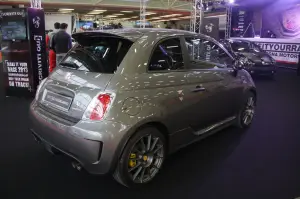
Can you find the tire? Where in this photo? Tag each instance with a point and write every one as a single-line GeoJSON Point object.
{"type": "Point", "coordinates": [247, 108]}
{"type": "Point", "coordinates": [138, 160]}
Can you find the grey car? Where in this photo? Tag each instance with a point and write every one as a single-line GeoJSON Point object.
{"type": "Point", "coordinates": [121, 100]}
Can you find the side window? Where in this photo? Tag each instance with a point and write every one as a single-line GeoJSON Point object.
{"type": "Point", "coordinates": [167, 55]}
{"type": "Point", "coordinates": [207, 52]}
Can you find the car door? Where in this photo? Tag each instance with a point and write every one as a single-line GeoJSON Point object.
{"type": "Point", "coordinates": [211, 83]}
{"type": "Point", "coordinates": [166, 82]}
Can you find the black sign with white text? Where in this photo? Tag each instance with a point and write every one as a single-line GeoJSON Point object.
{"type": "Point", "coordinates": [16, 69]}
{"type": "Point", "coordinates": [36, 25]}
{"type": "Point", "coordinates": [241, 22]}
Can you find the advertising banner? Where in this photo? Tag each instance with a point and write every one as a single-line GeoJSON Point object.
{"type": "Point", "coordinates": [210, 27]}
{"type": "Point", "coordinates": [241, 22]}
{"type": "Point", "coordinates": [281, 20]}
{"type": "Point", "coordinates": [23, 50]}
{"type": "Point", "coordinates": [16, 67]}
{"type": "Point", "coordinates": [13, 24]}
{"type": "Point", "coordinates": [16, 70]}
{"type": "Point", "coordinates": [282, 50]}
{"type": "Point", "coordinates": [37, 39]}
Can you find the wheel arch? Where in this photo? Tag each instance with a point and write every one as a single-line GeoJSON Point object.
{"type": "Point", "coordinates": [253, 90]}
{"type": "Point", "coordinates": [151, 123]}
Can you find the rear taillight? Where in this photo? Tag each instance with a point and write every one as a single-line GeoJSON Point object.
{"type": "Point", "coordinates": [98, 107]}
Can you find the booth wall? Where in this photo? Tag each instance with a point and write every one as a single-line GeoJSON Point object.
{"type": "Point", "coordinates": [61, 18]}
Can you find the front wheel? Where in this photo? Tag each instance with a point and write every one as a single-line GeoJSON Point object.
{"type": "Point", "coordinates": [142, 158]}
{"type": "Point", "coordinates": [246, 114]}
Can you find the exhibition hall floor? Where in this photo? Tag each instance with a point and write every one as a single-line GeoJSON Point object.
{"type": "Point", "coordinates": [262, 163]}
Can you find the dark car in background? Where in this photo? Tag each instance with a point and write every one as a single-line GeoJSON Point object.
{"type": "Point", "coordinates": [258, 61]}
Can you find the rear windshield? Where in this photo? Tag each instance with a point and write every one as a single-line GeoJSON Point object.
{"type": "Point", "coordinates": [97, 54]}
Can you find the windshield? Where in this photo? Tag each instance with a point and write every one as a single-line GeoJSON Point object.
{"type": "Point", "coordinates": [97, 54]}
{"type": "Point", "coordinates": [256, 48]}
{"type": "Point", "coordinates": [240, 46]}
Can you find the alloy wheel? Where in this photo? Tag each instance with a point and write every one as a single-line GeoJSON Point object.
{"type": "Point", "coordinates": [249, 111]}
{"type": "Point", "coordinates": [145, 159]}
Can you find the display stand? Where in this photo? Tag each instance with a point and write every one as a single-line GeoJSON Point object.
{"type": "Point", "coordinates": [23, 50]}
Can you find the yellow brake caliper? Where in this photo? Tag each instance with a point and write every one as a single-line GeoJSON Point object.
{"type": "Point", "coordinates": [132, 163]}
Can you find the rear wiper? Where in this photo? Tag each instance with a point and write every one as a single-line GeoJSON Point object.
{"type": "Point", "coordinates": [69, 65]}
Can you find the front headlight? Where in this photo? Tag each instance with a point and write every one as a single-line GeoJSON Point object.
{"type": "Point", "coordinates": [265, 63]}
{"type": "Point", "coordinates": [273, 61]}
{"type": "Point", "coordinates": [39, 88]}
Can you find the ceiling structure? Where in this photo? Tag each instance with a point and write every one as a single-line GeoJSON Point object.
{"type": "Point", "coordinates": [170, 5]}
{"type": "Point", "coordinates": [157, 10]}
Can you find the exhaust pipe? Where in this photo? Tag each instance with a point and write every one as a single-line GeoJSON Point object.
{"type": "Point", "coordinates": [77, 166]}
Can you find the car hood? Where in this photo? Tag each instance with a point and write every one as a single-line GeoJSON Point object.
{"type": "Point", "coordinates": [258, 57]}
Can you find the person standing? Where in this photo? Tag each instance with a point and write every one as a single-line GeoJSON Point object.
{"type": "Point", "coordinates": [52, 56]}
{"type": "Point", "coordinates": [61, 42]}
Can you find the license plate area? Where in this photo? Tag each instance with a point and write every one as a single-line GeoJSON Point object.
{"type": "Point", "coordinates": [57, 101]}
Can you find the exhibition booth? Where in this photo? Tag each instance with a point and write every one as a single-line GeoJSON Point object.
{"type": "Point", "coordinates": [275, 27]}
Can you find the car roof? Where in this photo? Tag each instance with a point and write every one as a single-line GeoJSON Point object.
{"type": "Point", "coordinates": [134, 34]}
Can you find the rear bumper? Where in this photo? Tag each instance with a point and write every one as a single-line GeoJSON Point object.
{"type": "Point", "coordinates": [262, 70]}
{"type": "Point", "coordinates": [95, 145]}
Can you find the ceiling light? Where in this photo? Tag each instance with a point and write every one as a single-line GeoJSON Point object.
{"type": "Point", "coordinates": [125, 18]}
{"type": "Point", "coordinates": [174, 19]}
{"type": "Point", "coordinates": [65, 9]}
{"type": "Point", "coordinates": [176, 15]}
{"type": "Point", "coordinates": [99, 10]}
{"type": "Point", "coordinates": [166, 16]}
{"type": "Point", "coordinates": [118, 14]}
{"type": "Point", "coordinates": [150, 13]}
{"type": "Point", "coordinates": [110, 16]}
{"type": "Point", "coordinates": [134, 17]}
{"type": "Point", "coordinates": [155, 18]}
{"type": "Point", "coordinates": [171, 15]}
{"type": "Point", "coordinates": [127, 11]}
{"type": "Point", "coordinates": [161, 20]}
{"type": "Point", "coordinates": [94, 13]}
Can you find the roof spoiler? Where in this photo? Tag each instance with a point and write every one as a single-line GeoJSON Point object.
{"type": "Point", "coordinates": [82, 36]}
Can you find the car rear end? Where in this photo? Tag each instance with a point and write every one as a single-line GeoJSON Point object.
{"type": "Point", "coordinates": [68, 113]}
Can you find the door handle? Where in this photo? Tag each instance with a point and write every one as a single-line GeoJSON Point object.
{"type": "Point", "coordinates": [198, 89]}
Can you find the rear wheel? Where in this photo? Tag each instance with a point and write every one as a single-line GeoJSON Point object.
{"type": "Point", "coordinates": [246, 114]}
{"type": "Point", "coordinates": [142, 158]}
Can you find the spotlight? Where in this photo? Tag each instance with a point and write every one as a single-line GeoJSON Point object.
{"type": "Point", "coordinates": [231, 1]}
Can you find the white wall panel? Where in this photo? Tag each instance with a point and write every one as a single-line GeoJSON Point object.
{"type": "Point", "coordinates": [50, 19]}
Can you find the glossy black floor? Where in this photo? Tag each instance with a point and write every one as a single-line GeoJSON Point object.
{"type": "Point", "coordinates": [263, 162]}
